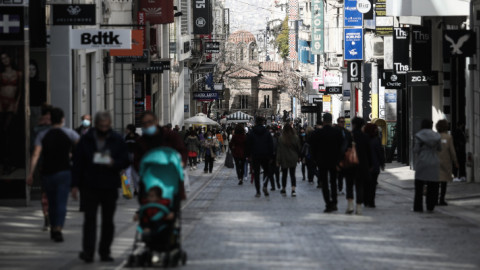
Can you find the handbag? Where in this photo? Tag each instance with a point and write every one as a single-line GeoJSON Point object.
{"type": "Point", "coordinates": [126, 188]}
{"type": "Point", "coordinates": [350, 159]}
{"type": "Point", "coordinates": [229, 160]}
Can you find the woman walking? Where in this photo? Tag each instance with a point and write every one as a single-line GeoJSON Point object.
{"type": "Point", "coordinates": [308, 157]}
{"type": "Point", "coordinates": [447, 157]}
{"type": "Point", "coordinates": [378, 162]}
{"type": "Point", "coordinates": [193, 146]}
{"type": "Point", "coordinates": [237, 145]}
{"type": "Point", "coordinates": [288, 153]}
{"type": "Point", "coordinates": [209, 145]}
{"type": "Point", "coordinates": [427, 166]}
{"type": "Point", "coordinates": [303, 141]}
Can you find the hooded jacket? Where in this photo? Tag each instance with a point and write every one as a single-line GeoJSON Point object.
{"type": "Point", "coordinates": [427, 163]}
{"type": "Point", "coordinates": [259, 143]}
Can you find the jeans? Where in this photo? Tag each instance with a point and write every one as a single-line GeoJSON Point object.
{"type": "Point", "coordinates": [208, 163]}
{"type": "Point", "coordinates": [240, 167]}
{"type": "Point", "coordinates": [311, 170]}
{"type": "Point", "coordinates": [258, 163]}
{"type": "Point", "coordinates": [432, 195]}
{"type": "Point", "coordinates": [329, 193]}
{"type": "Point", "coordinates": [245, 170]}
{"type": "Point", "coordinates": [107, 199]}
{"type": "Point", "coordinates": [285, 172]}
{"type": "Point", "coordinates": [192, 161]}
{"type": "Point", "coordinates": [57, 187]}
{"type": "Point", "coordinates": [340, 177]}
{"type": "Point", "coordinates": [358, 179]}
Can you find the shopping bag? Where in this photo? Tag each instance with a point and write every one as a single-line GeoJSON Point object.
{"type": "Point", "coordinates": [126, 187]}
{"type": "Point", "coordinates": [229, 160]}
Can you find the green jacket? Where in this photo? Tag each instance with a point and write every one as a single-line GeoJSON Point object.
{"type": "Point", "coordinates": [288, 152]}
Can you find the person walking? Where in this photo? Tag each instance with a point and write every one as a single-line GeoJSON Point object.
{"type": "Point", "coordinates": [260, 151]}
{"type": "Point", "coordinates": [326, 144]}
{"type": "Point", "coordinates": [347, 140]}
{"type": "Point", "coordinates": [460, 142]}
{"type": "Point", "coordinates": [210, 145]}
{"type": "Point", "coordinates": [361, 172]}
{"type": "Point", "coordinates": [99, 158]}
{"type": "Point", "coordinates": [274, 168]}
{"type": "Point", "coordinates": [131, 137]}
{"type": "Point", "coordinates": [193, 147]}
{"type": "Point", "coordinates": [237, 146]}
{"type": "Point", "coordinates": [447, 157]}
{"type": "Point", "coordinates": [427, 166]}
{"type": "Point", "coordinates": [303, 141]}
{"type": "Point", "coordinates": [378, 162]}
{"type": "Point", "coordinates": [308, 156]}
{"type": "Point", "coordinates": [55, 146]}
{"type": "Point", "coordinates": [288, 154]}
{"type": "Point", "coordinates": [85, 125]}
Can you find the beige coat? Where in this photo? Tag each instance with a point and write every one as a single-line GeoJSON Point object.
{"type": "Point", "coordinates": [447, 158]}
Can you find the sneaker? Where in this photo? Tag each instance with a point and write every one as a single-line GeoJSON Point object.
{"type": "Point", "coordinates": [57, 236]}
{"type": "Point", "coordinates": [456, 179]}
{"type": "Point", "coordinates": [194, 167]}
{"type": "Point", "coordinates": [283, 192]}
{"type": "Point", "coordinates": [294, 194]}
{"type": "Point", "coordinates": [265, 191]}
{"type": "Point", "coordinates": [240, 182]}
{"type": "Point", "coordinates": [258, 195]}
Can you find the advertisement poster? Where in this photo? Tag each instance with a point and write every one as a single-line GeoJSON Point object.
{"type": "Point", "coordinates": [157, 11]}
{"type": "Point", "coordinates": [401, 43]}
{"type": "Point", "coordinates": [202, 17]}
{"type": "Point", "coordinates": [353, 18]}
{"type": "Point", "coordinates": [353, 44]}
{"type": "Point", "coordinates": [317, 27]}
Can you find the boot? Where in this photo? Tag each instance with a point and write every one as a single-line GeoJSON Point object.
{"type": "Point", "coordinates": [349, 210]}
{"type": "Point", "coordinates": [359, 210]}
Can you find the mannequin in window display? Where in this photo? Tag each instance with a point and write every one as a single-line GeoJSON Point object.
{"type": "Point", "coordinates": [10, 94]}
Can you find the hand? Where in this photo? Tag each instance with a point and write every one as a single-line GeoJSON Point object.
{"type": "Point", "coordinates": [30, 179]}
{"type": "Point", "coordinates": [75, 193]}
{"type": "Point", "coordinates": [135, 217]}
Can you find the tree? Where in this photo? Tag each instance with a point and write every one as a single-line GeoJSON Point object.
{"type": "Point", "coordinates": [281, 41]}
{"type": "Point", "coordinates": [290, 81]}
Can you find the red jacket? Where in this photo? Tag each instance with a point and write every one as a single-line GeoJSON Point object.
{"type": "Point", "coordinates": [237, 145]}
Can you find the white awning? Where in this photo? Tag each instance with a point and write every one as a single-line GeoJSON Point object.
{"type": "Point", "coordinates": [428, 7]}
{"type": "Point", "coordinates": [239, 117]}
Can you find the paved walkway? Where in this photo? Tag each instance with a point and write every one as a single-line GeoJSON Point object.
{"type": "Point", "coordinates": [226, 227]}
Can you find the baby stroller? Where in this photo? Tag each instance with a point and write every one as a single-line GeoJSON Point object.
{"type": "Point", "coordinates": [160, 169]}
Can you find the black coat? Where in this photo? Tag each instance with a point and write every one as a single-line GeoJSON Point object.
{"type": "Point", "coordinates": [85, 174]}
{"type": "Point", "coordinates": [326, 146]}
{"type": "Point", "coordinates": [362, 145]}
{"type": "Point", "coordinates": [259, 143]}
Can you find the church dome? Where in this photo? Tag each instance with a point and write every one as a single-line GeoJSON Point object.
{"type": "Point", "coordinates": [241, 36]}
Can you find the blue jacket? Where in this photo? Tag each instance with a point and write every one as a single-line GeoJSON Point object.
{"type": "Point", "coordinates": [85, 174]}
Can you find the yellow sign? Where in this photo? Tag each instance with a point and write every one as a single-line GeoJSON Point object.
{"type": "Point", "coordinates": [327, 98]}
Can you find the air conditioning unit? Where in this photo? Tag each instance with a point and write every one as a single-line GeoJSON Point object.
{"type": "Point", "coordinates": [378, 47]}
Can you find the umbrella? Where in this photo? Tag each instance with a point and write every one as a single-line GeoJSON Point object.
{"type": "Point", "coordinates": [200, 119]}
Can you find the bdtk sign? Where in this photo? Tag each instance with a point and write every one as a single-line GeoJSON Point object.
{"type": "Point", "coordinates": [101, 39]}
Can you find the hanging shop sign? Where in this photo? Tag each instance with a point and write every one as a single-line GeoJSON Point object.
{"type": "Point", "coordinates": [157, 11]}
{"type": "Point", "coordinates": [393, 81]}
{"type": "Point", "coordinates": [13, 3]}
{"type": "Point", "coordinates": [367, 92]}
{"type": "Point", "coordinates": [381, 8]}
{"type": "Point", "coordinates": [384, 26]}
{"type": "Point", "coordinates": [205, 96]}
{"type": "Point", "coordinates": [133, 59]}
{"type": "Point", "coordinates": [459, 43]}
{"type": "Point", "coordinates": [101, 38]}
{"type": "Point", "coordinates": [354, 71]}
{"type": "Point", "coordinates": [316, 82]}
{"type": "Point", "coordinates": [422, 47]}
{"type": "Point", "coordinates": [76, 14]}
{"type": "Point", "coordinates": [347, 114]}
{"type": "Point", "coordinates": [137, 46]}
{"type": "Point", "coordinates": [353, 18]}
{"type": "Point", "coordinates": [333, 90]}
{"type": "Point", "coordinates": [353, 44]}
{"type": "Point", "coordinates": [401, 43]}
{"type": "Point", "coordinates": [309, 109]}
{"type": "Point", "coordinates": [202, 17]}
{"type": "Point", "coordinates": [317, 27]}
{"type": "Point", "coordinates": [11, 23]}
{"type": "Point", "coordinates": [148, 70]}
{"type": "Point", "coordinates": [212, 47]}
{"type": "Point", "coordinates": [317, 100]}
{"type": "Point", "coordinates": [422, 78]}
{"type": "Point", "coordinates": [366, 8]}
{"type": "Point", "coordinates": [318, 97]}
{"type": "Point", "coordinates": [164, 64]}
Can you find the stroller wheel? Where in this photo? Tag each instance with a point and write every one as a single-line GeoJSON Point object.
{"type": "Point", "coordinates": [184, 258]}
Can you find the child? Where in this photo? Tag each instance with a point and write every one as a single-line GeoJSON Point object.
{"type": "Point", "coordinates": [154, 195]}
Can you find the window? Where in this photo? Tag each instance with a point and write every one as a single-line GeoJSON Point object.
{"type": "Point", "coordinates": [243, 102]}
{"type": "Point", "coordinates": [219, 104]}
{"type": "Point", "coordinates": [241, 54]}
{"type": "Point", "coordinates": [184, 17]}
{"type": "Point", "coordinates": [266, 101]}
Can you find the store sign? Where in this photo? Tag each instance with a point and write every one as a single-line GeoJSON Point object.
{"type": "Point", "coordinates": [311, 98]}
{"type": "Point", "coordinates": [364, 6]}
{"type": "Point", "coordinates": [459, 43]}
{"type": "Point", "coordinates": [205, 96]}
{"type": "Point", "coordinates": [354, 71]}
{"type": "Point", "coordinates": [367, 92]}
{"type": "Point", "coordinates": [212, 47]}
{"type": "Point", "coordinates": [353, 44]}
{"type": "Point", "coordinates": [74, 14]}
{"type": "Point", "coordinates": [11, 23]}
{"type": "Point", "coordinates": [381, 8]}
{"type": "Point", "coordinates": [401, 43]}
{"type": "Point", "coordinates": [333, 90]}
{"type": "Point", "coordinates": [148, 70]}
{"type": "Point", "coordinates": [422, 47]}
{"type": "Point", "coordinates": [353, 18]}
{"type": "Point", "coordinates": [347, 114]}
{"type": "Point", "coordinates": [317, 27]}
{"type": "Point", "coordinates": [310, 109]}
{"type": "Point", "coordinates": [157, 11]}
{"type": "Point", "coordinates": [384, 26]}
{"type": "Point", "coordinates": [164, 64]}
{"type": "Point", "coordinates": [133, 59]}
{"type": "Point", "coordinates": [419, 78]}
{"type": "Point", "coordinates": [202, 17]}
{"type": "Point", "coordinates": [317, 100]}
{"type": "Point", "coordinates": [316, 82]}
{"type": "Point", "coordinates": [393, 81]}
{"type": "Point", "coordinates": [101, 39]}
{"type": "Point", "coordinates": [137, 46]}
{"type": "Point", "coordinates": [12, 3]}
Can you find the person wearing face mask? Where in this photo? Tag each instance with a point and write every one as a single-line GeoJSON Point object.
{"type": "Point", "coordinates": [99, 158]}
{"type": "Point", "coordinates": [85, 125]}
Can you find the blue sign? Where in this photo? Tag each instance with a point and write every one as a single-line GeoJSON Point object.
{"type": "Point", "coordinates": [353, 18]}
{"type": "Point", "coordinates": [353, 44]}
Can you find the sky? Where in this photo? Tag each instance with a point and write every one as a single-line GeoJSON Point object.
{"type": "Point", "coordinates": [248, 15]}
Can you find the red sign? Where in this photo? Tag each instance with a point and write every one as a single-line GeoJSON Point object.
{"type": "Point", "coordinates": [148, 103]}
{"type": "Point", "coordinates": [157, 11]}
{"type": "Point", "coordinates": [137, 46]}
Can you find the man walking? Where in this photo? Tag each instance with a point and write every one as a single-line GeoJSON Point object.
{"type": "Point", "coordinates": [100, 156]}
{"type": "Point", "coordinates": [259, 149]}
{"type": "Point", "coordinates": [85, 125]}
{"type": "Point", "coordinates": [347, 141]}
{"type": "Point", "coordinates": [326, 144]}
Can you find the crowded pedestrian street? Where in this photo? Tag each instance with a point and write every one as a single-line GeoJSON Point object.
{"type": "Point", "coordinates": [226, 227]}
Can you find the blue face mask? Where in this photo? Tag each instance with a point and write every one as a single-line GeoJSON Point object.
{"type": "Point", "coordinates": [149, 131]}
{"type": "Point", "coordinates": [303, 134]}
{"type": "Point", "coordinates": [86, 123]}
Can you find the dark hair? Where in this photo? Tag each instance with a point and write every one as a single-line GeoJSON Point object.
{"type": "Point", "coordinates": [102, 116]}
{"type": "Point", "coordinates": [157, 190]}
{"type": "Point", "coordinates": [340, 118]}
{"type": "Point", "coordinates": [358, 123]}
{"type": "Point", "coordinates": [239, 129]}
{"type": "Point", "coordinates": [427, 124]}
{"type": "Point", "coordinates": [259, 120]}
{"type": "Point", "coordinates": [442, 126]}
{"type": "Point", "coordinates": [319, 122]}
{"type": "Point", "coordinates": [288, 131]}
{"type": "Point", "coordinates": [34, 63]}
{"type": "Point", "coordinates": [46, 109]}
{"type": "Point", "coordinates": [145, 113]}
{"type": "Point", "coordinates": [56, 116]}
{"type": "Point", "coordinates": [131, 128]}
{"type": "Point", "coordinates": [371, 130]}
{"type": "Point", "coordinates": [327, 118]}
{"type": "Point", "coordinates": [192, 133]}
